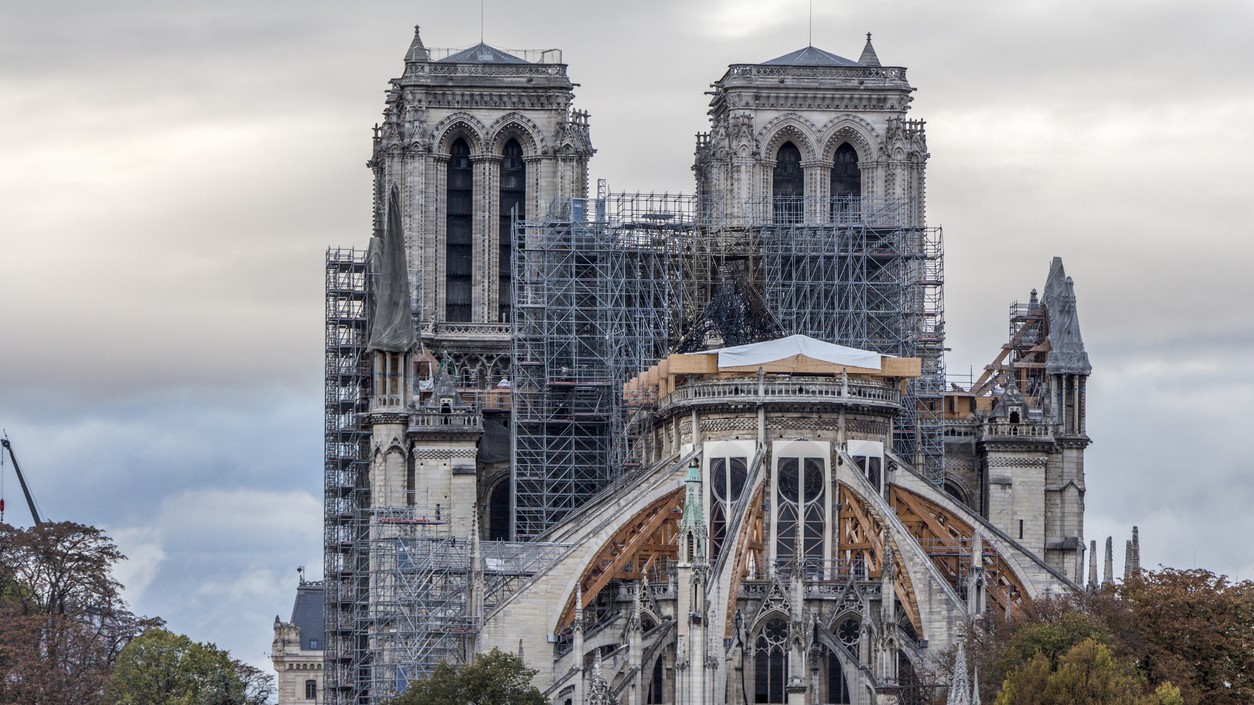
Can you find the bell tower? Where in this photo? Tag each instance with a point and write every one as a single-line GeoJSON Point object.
{"type": "Point", "coordinates": [474, 139]}
{"type": "Point", "coordinates": [809, 136]}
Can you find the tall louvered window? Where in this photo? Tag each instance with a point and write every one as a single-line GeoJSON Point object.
{"type": "Point", "coordinates": [788, 185]}
{"type": "Point", "coordinates": [846, 184]}
{"type": "Point", "coordinates": [459, 253]}
{"type": "Point", "coordinates": [513, 205]}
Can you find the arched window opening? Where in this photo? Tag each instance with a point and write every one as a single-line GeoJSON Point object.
{"type": "Point", "coordinates": [956, 492]}
{"type": "Point", "coordinates": [837, 686]}
{"type": "Point", "coordinates": [459, 250]}
{"type": "Point", "coordinates": [846, 184]}
{"type": "Point", "coordinates": [788, 185]}
{"type": "Point", "coordinates": [657, 684]}
{"type": "Point", "coordinates": [311, 689]}
{"type": "Point", "coordinates": [498, 511]}
{"type": "Point", "coordinates": [513, 205]}
{"type": "Point", "coordinates": [727, 483]}
{"type": "Point", "coordinates": [770, 663]}
{"type": "Point", "coordinates": [800, 512]}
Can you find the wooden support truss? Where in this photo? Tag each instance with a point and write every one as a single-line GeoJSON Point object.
{"type": "Point", "coordinates": [648, 540]}
{"type": "Point", "coordinates": [947, 539]}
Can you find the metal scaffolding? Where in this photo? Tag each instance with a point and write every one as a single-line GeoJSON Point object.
{"type": "Point", "coordinates": [604, 287]}
{"type": "Point", "coordinates": [346, 498]}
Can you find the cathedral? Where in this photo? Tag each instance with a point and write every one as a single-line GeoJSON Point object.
{"type": "Point", "coordinates": [677, 449]}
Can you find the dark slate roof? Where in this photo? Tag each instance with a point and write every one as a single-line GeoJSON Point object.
{"type": "Point", "coordinates": [307, 614]}
{"type": "Point", "coordinates": [482, 54]}
{"type": "Point", "coordinates": [810, 56]}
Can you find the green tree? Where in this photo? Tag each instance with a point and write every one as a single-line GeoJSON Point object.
{"type": "Point", "coordinates": [163, 668]}
{"type": "Point", "coordinates": [494, 678]}
{"type": "Point", "coordinates": [1087, 674]}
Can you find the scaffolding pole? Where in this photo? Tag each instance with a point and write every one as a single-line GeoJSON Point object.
{"type": "Point", "coordinates": [605, 288]}
{"type": "Point", "coordinates": [346, 496]}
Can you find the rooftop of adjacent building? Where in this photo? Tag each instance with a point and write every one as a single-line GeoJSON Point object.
{"type": "Point", "coordinates": [307, 614]}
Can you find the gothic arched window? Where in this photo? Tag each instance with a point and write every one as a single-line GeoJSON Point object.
{"type": "Point", "coordinates": [459, 245]}
{"type": "Point", "coordinates": [727, 483]}
{"type": "Point", "coordinates": [788, 185]}
{"type": "Point", "coordinates": [846, 184]}
{"type": "Point", "coordinates": [770, 663]}
{"type": "Point", "coordinates": [801, 511]}
{"type": "Point", "coordinates": [513, 205]}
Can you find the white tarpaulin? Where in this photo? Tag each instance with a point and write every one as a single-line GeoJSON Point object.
{"type": "Point", "coordinates": [774, 350]}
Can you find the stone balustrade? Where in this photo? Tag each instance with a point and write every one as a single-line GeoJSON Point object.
{"type": "Point", "coordinates": [791, 390]}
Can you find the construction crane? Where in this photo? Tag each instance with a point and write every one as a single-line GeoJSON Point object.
{"type": "Point", "coordinates": [30, 502]}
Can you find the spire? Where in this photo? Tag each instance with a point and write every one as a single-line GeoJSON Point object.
{"type": "Point", "coordinates": [578, 626]}
{"type": "Point", "coordinates": [636, 609]}
{"type": "Point", "coordinates": [692, 525]}
{"type": "Point", "coordinates": [1132, 555]}
{"type": "Point", "coordinates": [392, 326]}
{"type": "Point", "coordinates": [417, 51]}
{"type": "Point", "coordinates": [1067, 354]}
{"type": "Point", "coordinates": [975, 686]}
{"type": "Point", "coordinates": [1093, 564]}
{"type": "Point", "coordinates": [959, 686]}
{"type": "Point", "coordinates": [599, 688]}
{"type": "Point", "coordinates": [1108, 573]}
{"type": "Point", "coordinates": [868, 57]}
{"type": "Point", "coordinates": [888, 596]}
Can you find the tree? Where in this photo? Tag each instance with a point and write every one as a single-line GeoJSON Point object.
{"type": "Point", "coordinates": [164, 668]}
{"type": "Point", "coordinates": [258, 684]}
{"type": "Point", "coordinates": [1087, 674]}
{"type": "Point", "coordinates": [64, 621]}
{"type": "Point", "coordinates": [1195, 629]}
{"type": "Point", "coordinates": [494, 678]}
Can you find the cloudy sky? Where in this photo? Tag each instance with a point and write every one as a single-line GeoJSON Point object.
{"type": "Point", "coordinates": [171, 174]}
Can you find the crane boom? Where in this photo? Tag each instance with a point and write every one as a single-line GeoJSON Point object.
{"type": "Point", "coordinates": [22, 480]}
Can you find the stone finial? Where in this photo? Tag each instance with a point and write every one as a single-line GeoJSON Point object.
{"type": "Point", "coordinates": [578, 625]}
{"type": "Point", "coordinates": [975, 686]}
{"type": "Point", "coordinates": [959, 687]}
{"type": "Point", "coordinates": [417, 52]}
{"type": "Point", "coordinates": [868, 57]}
{"type": "Point", "coordinates": [1093, 565]}
{"type": "Point", "coordinates": [1136, 548]}
{"type": "Point", "coordinates": [1108, 573]}
{"type": "Point", "coordinates": [1127, 559]}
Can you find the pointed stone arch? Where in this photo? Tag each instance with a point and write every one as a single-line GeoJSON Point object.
{"type": "Point", "coordinates": [857, 132]}
{"type": "Point", "coordinates": [462, 125]}
{"type": "Point", "coordinates": [517, 126]}
{"type": "Point", "coordinates": [785, 128]}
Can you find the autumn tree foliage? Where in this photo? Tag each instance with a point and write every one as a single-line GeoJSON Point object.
{"type": "Point", "coordinates": [495, 678]}
{"type": "Point", "coordinates": [1194, 629]}
{"type": "Point", "coordinates": [65, 631]}
{"type": "Point", "coordinates": [64, 619]}
{"type": "Point", "coordinates": [1164, 636]}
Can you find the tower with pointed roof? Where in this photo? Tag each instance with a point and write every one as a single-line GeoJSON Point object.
{"type": "Point", "coordinates": [474, 138]}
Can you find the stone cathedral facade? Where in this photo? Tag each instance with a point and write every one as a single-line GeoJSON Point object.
{"type": "Point", "coordinates": [766, 536]}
